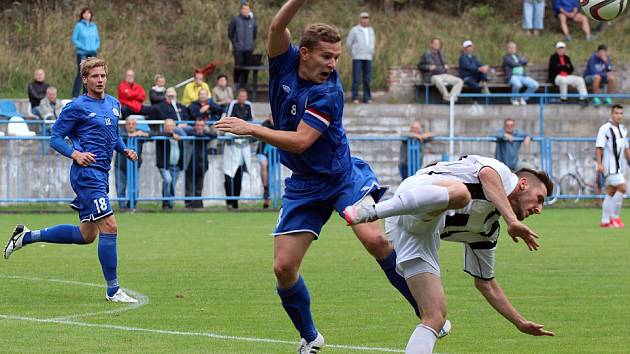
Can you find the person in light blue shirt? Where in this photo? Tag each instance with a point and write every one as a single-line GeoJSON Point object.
{"type": "Point", "coordinates": [509, 142]}
{"type": "Point", "coordinates": [87, 42]}
{"type": "Point", "coordinates": [91, 124]}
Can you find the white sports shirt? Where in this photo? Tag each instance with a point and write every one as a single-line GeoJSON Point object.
{"type": "Point", "coordinates": [612, 139]}
{"type": "Point", "coordinates": [477, 224]}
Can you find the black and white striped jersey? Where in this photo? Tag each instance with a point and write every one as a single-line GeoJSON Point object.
{"type": "Point", "coordinates": [477, 224]}
{"type": "Point", "coordinates": [612, 139]}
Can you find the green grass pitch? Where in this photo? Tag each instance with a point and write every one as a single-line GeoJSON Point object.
{"type": "Point", "coordinates": [208, 274]}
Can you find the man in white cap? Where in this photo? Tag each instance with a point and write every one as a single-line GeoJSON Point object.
{"type": "Point", "coordinates": [561, 74]}
{"type": "Point", "coordinates": [361, 43]}
{"type": "Point", "coordinates": [472, 70]}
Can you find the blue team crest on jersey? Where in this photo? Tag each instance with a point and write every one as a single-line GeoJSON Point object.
{"type": "Point", "coordinates": [286, 88]}
{"type": "Point", "coordinates": [115, 111]}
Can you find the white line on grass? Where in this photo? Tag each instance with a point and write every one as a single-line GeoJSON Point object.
{"type": "Point", "coordinates": [143, 300]}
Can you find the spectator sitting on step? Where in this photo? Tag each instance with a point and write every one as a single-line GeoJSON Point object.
{"type": "Point", "coordinates": [435, 71]}
{"type": "Point", "coordinates": [561, 74]}
{"type": "Point", "coordinates": [599, 72]}
{"type": "Point", "coordinates": [514, 66]}
{"type": "Point", "coordinates": [570, 10]}
{"type": "Point", "coordinates": [222, 93]}
{"type": "Point", "coordinates": [50, 107]}
{"type": "Point", "coordinates": [37, 90]}
{"type": "Point", "coordinates": [191, 90]}
{"type": "Point", "coordinates": [472, 70]}
{"type": "Point", "coordinates": [170, 108]}
{"type": "Point", "coordinates": [131, 96]}
{"type": "Point", "coordinates": [157, 92]}
{"type": "Point", "coordinates": [205, 108]}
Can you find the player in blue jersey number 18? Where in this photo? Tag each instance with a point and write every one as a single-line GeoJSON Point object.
{"type": "Point", "coordinates": [306, 100]}
{"type": "Point", "coordinates": [91, 123]}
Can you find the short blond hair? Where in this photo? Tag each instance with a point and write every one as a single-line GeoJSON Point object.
{"type": "Point", "coordinates": [90, 63]}
{"type": "Point", "coordinates": [319, 32]}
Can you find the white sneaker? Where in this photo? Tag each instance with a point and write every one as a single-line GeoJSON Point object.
{"type": "Point", "coordinates": [120, 296]}
{"type": "Point", "coordinates": [523, 102]}
{"type": "Point", "coordinates": [446, 329]}
{"type": "Point", "coordinates": [15, 242]}
{"type": "Point", "coordinates": [357, 214]}
{"type": "Point", "coordinates": [313, 347]}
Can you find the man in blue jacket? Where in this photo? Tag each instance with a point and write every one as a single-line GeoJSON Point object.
{"type": "Point", "coordinates": [472, 70]}
{"type": "Point", "coordinates": [242, 34]}
{"type": "Point", "coordinates": [598, 72]}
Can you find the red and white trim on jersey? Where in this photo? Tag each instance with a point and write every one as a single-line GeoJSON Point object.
{"type": "Point", "coordinates": [319, 115]}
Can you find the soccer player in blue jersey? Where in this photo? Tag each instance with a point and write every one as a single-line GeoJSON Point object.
{"type": "Point", "coordinates": [307, 107]}
{"type": "Point", "coordinates": [91, 123]}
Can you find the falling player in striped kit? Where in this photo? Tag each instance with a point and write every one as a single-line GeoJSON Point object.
{"type": "Point", "coordinates": [459, 201]}
{"type": "Point", "coordinates": [612, 155]}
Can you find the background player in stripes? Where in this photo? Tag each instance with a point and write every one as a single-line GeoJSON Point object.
{"type": "Point", "coordinates": [612, 155]}
{"type": "Point", "coordinates": [91, 123]}
{"type": "Point", "coordinates": [457, 201]}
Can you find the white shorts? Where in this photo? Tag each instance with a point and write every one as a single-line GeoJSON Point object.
{"type": "Point", "coordinates": [615, 179]}
{"type": "Point", "coordinates": [416, 238]}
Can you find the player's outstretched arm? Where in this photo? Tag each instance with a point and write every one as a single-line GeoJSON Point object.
{"type": "Point", "coordinates": [279, 35]}
{"type": "Point", "coordinates": [292, 141]}
{"type": "Point", "coordinates": [493, 189]}
{"type": "Point", "coordinates": [495, 296]}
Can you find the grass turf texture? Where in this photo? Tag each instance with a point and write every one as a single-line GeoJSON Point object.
{"type": "Point", "coordinates": [213, 273]}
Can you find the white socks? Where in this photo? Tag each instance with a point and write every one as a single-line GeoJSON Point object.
{"type": "Point", "coordinates": [422, 340]}
{"type": "Point", "coordinates": [419, 200]}
{"type": "Point", "coordinates": [617, 202]}
{"type": "Point", "coordinates": [606, 209]}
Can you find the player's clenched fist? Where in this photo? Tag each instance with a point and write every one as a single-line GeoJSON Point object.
{"type": "Point", "coordinates": [83, 158]}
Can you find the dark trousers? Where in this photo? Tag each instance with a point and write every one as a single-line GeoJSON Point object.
{"type": "Point", "coordinates": [152, 112]}
{"type": "Point", "coordinates": [233, 187]}
{"type": "Point", "coordinates": [194, 185]}
{"type": "Point", "coordinates": [78, 82]}
{"type": "Point", "coordinates": [475, 80]}
{"type": "Point", "coordinates": [240, 76]}
{"type": "Point", "coordinates": [361, 67]}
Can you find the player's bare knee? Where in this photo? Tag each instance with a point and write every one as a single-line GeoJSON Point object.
{"type": "Point", "coordinates": [108, 225]}
{"type": "Point", "coordinates": [458, 196]}
{"type": "Point", "coordinates": [284, 270]}
{"type": "Point", "coordinates": [434, 317]}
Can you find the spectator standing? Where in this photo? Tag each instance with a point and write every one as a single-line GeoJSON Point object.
{"type": "Point", "coordinates": [157, 92]}
{"type": "Point", "coordinates": [570, 10]}
{"type": "Point", "coordinates": [435, 71]}
{"type": "Point", "coordinates": [130, 131]}
{"type": "Point", "coordinates": [169, 160]}
{"type": "Point", "coordinates": [132, 95]}
{"type": "Point", "coordinates": [509, 142]}
{"type": "Point", "coordinates": [514, 66]}
{"type": "Point", "coordinates": [37, 90]}
{"type": "Point", "coordinates": [472, 70]}
{"type": "Point", "coordinates": [205, 108]}
{"type": "Point", "coordinates": [533, 15]}
{"type": "Point", "coordinates": [415, 132]}
{"type": "Point", "coordinates": [263, 162]}
{"type": "Point", "coordinates": [237, 151]}
{"type": "Point", "coordinates": [361, 45]}
{"type": "Point", "coordinates": [198, 166]}
{"type": "Point", "coordinates": [87, 42]}
{"type": "Point", "coordinates": [222, 93]}
{"type": "Point", "coordinates": [561, 74]}
{"type": "Point", "coordinates": [191, 90]}
{"type": "Point", "coordinates": [599, 72]}
{"type": "Point", "coordinates": [50, 107]}
{"type": "Point", "coordinates": [242, 34]}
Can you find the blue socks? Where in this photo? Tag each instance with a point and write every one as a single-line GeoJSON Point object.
{"type": "Point", "coordinates": [388, 264]}
{"type": "Point", "coordinates": [55, 234]}
{"type": "Point", "coordinates": [297, 303]}
{"type": "Point", "coordinates": [109, 259]}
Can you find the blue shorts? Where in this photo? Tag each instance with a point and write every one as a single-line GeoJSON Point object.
{"type": "Point", "coordinates": [91, 186]}
{"type": "Point", "coordinates": [590, 78]}
{"type": "Point", "coordinates": [309, 201]}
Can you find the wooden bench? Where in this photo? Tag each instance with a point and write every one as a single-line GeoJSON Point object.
{"type": "Point", "coordinates": [497, 81]}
